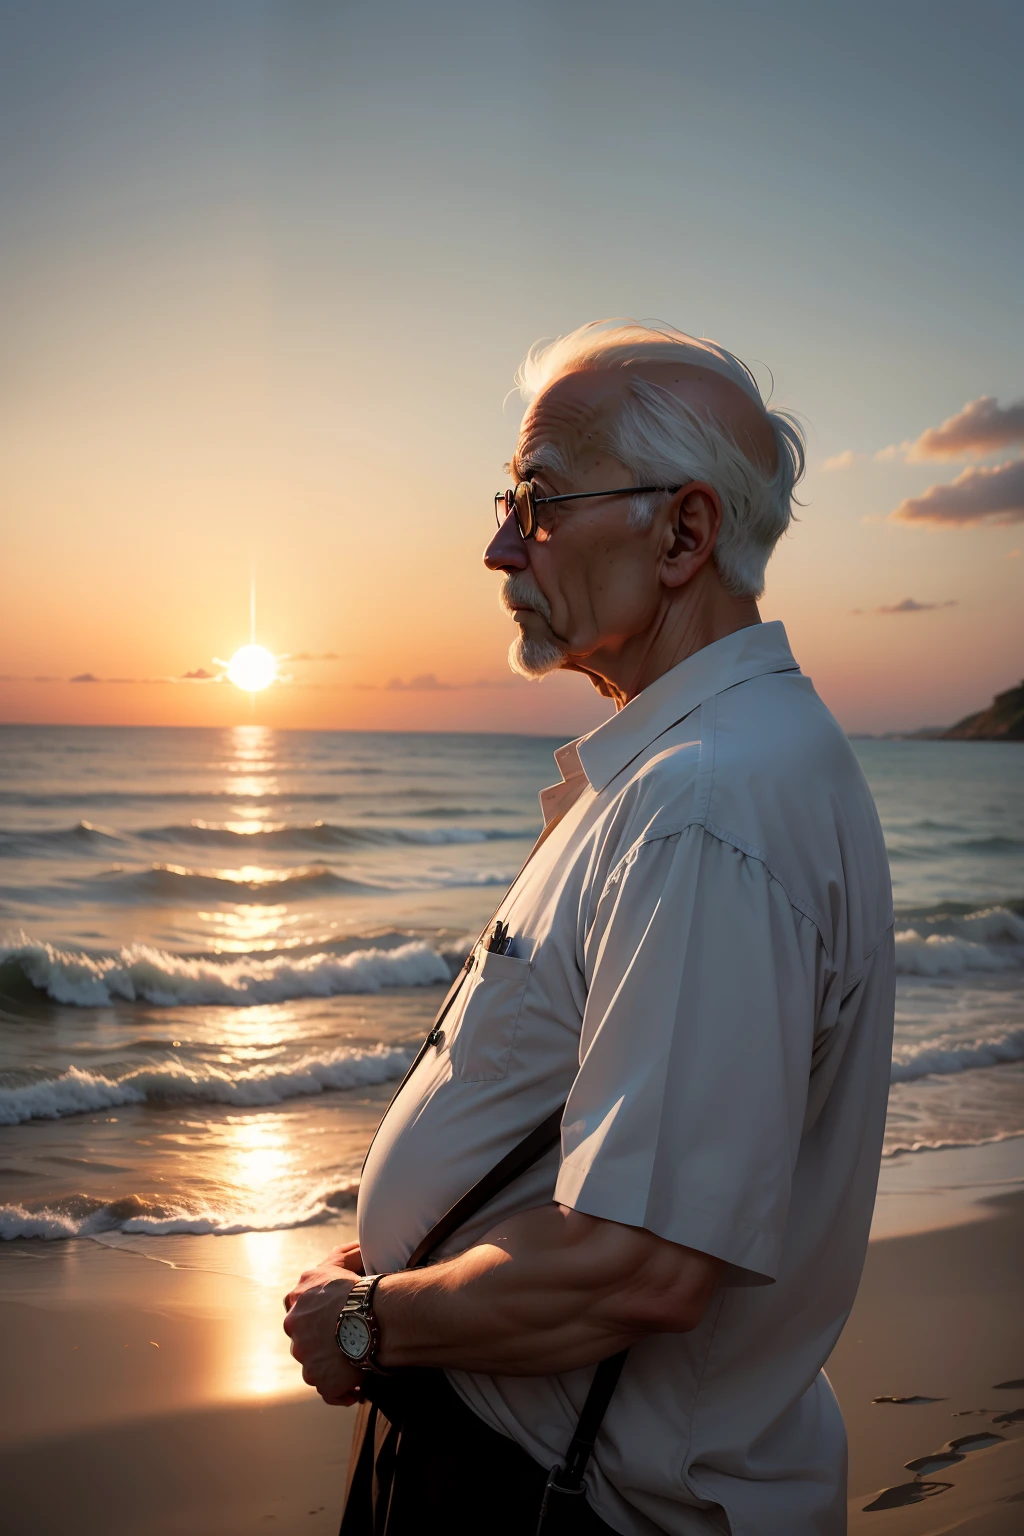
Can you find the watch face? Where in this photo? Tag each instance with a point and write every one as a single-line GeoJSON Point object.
{"type": "Point", "coordinates": [353, 1336]}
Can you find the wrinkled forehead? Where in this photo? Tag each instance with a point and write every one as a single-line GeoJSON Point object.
{"type": "Point", "coordinates": [567, 425]}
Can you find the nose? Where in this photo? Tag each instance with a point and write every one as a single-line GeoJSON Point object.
{"type": "Point", "coordinates": [507, 550]}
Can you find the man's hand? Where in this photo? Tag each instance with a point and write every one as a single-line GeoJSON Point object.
{"type": "Point", "coordinates": [310, 1323]}
{"type": "Point", "coordinates": [348, 1256]}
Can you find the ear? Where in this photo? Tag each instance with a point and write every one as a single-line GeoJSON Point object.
{"type": "Point", "coordinates": [690, 532]}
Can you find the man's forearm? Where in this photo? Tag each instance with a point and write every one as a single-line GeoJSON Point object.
{"type": "Point", "coordinates": [549, 1290]}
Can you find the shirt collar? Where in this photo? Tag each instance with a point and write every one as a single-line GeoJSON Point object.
{"type": "Point", "coordinates": [557, 798]}
{"type": "Point", "coordinates": [750, 652]}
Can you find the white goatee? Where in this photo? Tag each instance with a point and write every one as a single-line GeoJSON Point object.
{"type": "Point", "coordinates": [527, 656]}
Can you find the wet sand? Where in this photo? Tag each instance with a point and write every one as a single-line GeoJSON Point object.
{"type": "Point", "coordinates": [156, 1400]}
{"type": "Point", "coordinates": [938, 1316]}
{"type": "Point", "coordinates": [142, 1399]}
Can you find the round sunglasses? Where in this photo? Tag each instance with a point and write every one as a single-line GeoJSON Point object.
{"type": "Point", "coordinates": [524, 501]}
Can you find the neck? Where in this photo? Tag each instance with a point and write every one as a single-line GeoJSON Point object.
{"type": "Point", "coordinates": [689, 621]}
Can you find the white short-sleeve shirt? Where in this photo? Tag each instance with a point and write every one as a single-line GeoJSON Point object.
{"type": "Point", "coordinates": [702, 966]}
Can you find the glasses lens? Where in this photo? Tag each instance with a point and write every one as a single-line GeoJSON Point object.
{"type": "Point", "coordinates": [504, 503]}
{"type": "Point", "coordinates": [526, 515]}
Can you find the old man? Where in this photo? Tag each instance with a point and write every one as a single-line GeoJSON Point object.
{"type": "Point", "coordinates": [613, 1221]}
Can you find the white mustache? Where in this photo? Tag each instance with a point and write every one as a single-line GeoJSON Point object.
{"type": "Point", "coordinates": [519, 590]}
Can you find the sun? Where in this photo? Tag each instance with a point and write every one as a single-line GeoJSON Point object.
{"type": "Point", "coordinates": [252, 668]}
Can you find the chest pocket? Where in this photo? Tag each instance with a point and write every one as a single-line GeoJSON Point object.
{"type": "Point", "coordinates": [481, 1043]}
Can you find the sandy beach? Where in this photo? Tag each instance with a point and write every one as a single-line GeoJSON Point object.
{"type": "Point", "coordinates": [149, 1388]}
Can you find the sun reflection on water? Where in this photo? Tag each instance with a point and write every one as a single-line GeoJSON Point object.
{"type": "Point", "coordinates": [251, 762]}
{"type": "Point", "coordinates": [246, 927]}
{"type": "Point", "coordinates": [257, 1157]}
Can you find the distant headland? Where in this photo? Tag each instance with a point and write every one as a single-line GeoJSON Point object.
{"type": "Point", "coordinates": [1003, 720]}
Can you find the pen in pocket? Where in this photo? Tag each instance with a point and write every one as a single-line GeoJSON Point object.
{"type": "Point", "coordinates": [499, 942]}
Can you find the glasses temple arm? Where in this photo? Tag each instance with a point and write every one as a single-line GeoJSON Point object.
{"type": "Point", "coordinates": [626, 490]}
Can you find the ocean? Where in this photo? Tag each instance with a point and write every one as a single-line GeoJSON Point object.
{"type": "Point", "coordinates": [220, 949]}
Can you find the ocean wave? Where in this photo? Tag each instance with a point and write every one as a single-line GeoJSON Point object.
{"type": "Point", "coordinates": [904, 1149]}
{"type": "Point", "coordinates": [140, 973]}
{"type": "Point", "coordinates": [941, 911]}
{"type": "Point", "coordinates": [45, 842]}
{"type": "Point", "coordinates": [989, 940]}
{"type": "Point", "coordinates": [112, 799]}
{"type": "Point", "coordinates": [251, 885]}
{"type": "Point", "coordinates": [994, 844]}
{"type": "Point", "coordinates": [928, 824]}
{"type": "Point", "coordinates": [78, 1092]}
{"type": "Point", "coordinates": [84, 1217]}
{"type": "Point", "coordinates": [910, 1063]}
{"type": "Point", "coordinates": [322, 835]}
{"type": "Point", "coordinates": [177, 884]}
{"type": "Point", "coordinates": [435, 812]}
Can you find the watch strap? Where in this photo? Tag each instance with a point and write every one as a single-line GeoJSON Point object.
{"type": "Point", "coordinates": [360, 1301]}
{"type": "Point", "coordinates": [361, 1293]}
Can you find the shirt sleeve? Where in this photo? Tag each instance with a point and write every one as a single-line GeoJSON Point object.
{"type": "Point", "coordinates": [686, 1115]}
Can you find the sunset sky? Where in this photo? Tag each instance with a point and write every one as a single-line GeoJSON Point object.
{"type": "Point", "coordinates": [268, 271]}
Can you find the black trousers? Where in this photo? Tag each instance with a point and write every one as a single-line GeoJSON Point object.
{"type": "Point", "coordinates": [421, 1462]}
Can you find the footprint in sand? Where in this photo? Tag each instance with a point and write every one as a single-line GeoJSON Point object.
{"type": "Point", "coordinates": [1015, 1416]}
{"type": "Point", "coordinates": [938, 1461]}
{"type": "Point", "coordinates": [906, 1493]}
{"type": "Point", "coordinates": [971, 1443]}
{"type": "Point", "coordinates": [913, 1401]}
{"type": "Point", "coordinates": [1010, 1386]}
{"type": "Point", "coordinates": [952, 1452]}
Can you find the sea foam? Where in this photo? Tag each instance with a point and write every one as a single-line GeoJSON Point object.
{"type": "Point", "coordinates": [941, 1060]}
{"type": "Point", "coordinates": [140, 973]}
{"type": "Point", "coordinates": [92, 1218]}
{"type": "Point", "coordinates": [989, 940]}
{"type": "Point", "coordinates": [78, 1091]}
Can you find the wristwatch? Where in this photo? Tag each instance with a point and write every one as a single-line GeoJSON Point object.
{"type": "Point", "coordinates": [357, 1333]}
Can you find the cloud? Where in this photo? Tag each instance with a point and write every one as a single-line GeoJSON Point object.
{"type": "Point", "coordinates": [90, 677]}
{"type": "Point", "coordinates": [849, 456]}
{"type": "Point", "coordinates": [982, 427]}
{"type": "Point", "coordinates": [845, 460]}
{"type": "Point", "coordinates": [426, 682]}
{"type": "Point", "coordinates": [911, 605]}
{"type": "Point", "coordinates": [199, 675]}
{"type": "Point", "coordinates": [994, 496]}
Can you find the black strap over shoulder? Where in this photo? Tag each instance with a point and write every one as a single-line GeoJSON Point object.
{"type": "Point", "coordinates": [568, 1478]}
{"type": "Point", "coordinates": [564, 1492]}
{"type": "Point", "coordinates": [521, 1157]}
{"type": "Point", "coordinates": [606, 1379]}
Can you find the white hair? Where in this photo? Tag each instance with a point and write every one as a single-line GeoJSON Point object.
{"type": "Point", "coordinates": [664, 442]}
